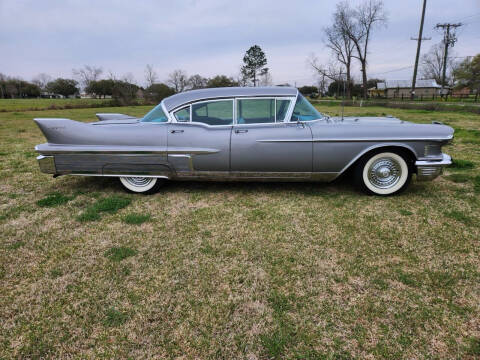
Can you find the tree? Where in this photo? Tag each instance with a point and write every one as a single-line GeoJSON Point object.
{"type": "Point", "coordinates": [308, 90]}
{"type": "Point", "coordinates": [100, 87]}
{"type": "Point", "coordinates": [265, 77]}
{"type": "Point", "coordinates": [124, 92]}
{"type": "Point", "coordinates": [254, 62]}
{"type": "Point", "coordinates": [221, 81]}
{"type": "Point", "coordinates": [468, 74]}
{"type": "Point", "coordinates": [432, 65]}
{"type": "Point", "coordinates": [65, 87]}
{"type": "Point", "coordinates": [157, 92]}
{"type": "Point", "coordinates": [41, 80]}
{"type": "Point", "coordinates": [88, 73]}
{"type": "Point", "coordinates": [358, 24]}
{"type": "Point", "coordinates": [197, 82]}
{"type": "Point", "coordinates": [178, 80]}
{"type": "Point", "coordinates": [150, 75]}
{"type": "Point", "coordinates": [342, 47]}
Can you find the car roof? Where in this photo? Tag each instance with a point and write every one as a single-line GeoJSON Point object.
{"type": "Point", "coordinates": [177, 100]}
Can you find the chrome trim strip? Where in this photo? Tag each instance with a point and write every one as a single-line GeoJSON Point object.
{"type": "Point", "coordinates": [355, 140]}
{"type": "Point", "coordinates": [129, 175]}
{"type": "Point", "coordinates": [124, 152]}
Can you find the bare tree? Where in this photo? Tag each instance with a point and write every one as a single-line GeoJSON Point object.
{"type": "Point", "coordinates": [87, 74]}
{"type": "Point", "coordinates": [265, 77]}
{"type": "Point", "coordinates": [150, 75]}
{"type": "Point", "coordinates": [432, 64]}
{"type": "Point", "coordinates": [178, 80]}
{"type": "Point", "coordinates": [342, 47]}
{"type": "Point", "coordinates": [111, 75]}
{"type": "Point", "coordinates": [358, 25]}
{"type": "Point", "coordinates": [331, 71]}
{"type": "Point", "coordinates": [41, 80]}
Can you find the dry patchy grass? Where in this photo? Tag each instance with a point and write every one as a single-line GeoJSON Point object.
{"type": "Point", "coordinates": [237, 270]}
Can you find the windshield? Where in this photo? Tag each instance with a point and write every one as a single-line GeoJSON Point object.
{"type": "Point", "coordinates": [304, 111]}
{"type": "Point", "coordinates": [155, 115]}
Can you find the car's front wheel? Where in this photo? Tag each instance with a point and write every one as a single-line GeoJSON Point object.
{"type": "Point", "coordinates": [383, 173]}
{"type": "Point", "coordinates": [145, 185]}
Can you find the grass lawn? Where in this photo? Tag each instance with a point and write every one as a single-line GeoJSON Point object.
{"type": "Point", "coordinates": [237, 270]}
{"type": "Point", "coordinates": [42, 104]}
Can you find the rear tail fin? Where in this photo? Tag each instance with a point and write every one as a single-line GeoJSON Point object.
{"type": "Point", "coordinates": [60, 131]}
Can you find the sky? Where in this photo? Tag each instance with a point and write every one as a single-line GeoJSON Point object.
{"type": "Point", "coordinates": [210, 37]}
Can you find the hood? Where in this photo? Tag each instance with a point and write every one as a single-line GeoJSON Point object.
{"type": "Point", "coordinates": [350, 120]}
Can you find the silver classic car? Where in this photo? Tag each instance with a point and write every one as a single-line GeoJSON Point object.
{"type": "Point", "coordinates": [260, 133]}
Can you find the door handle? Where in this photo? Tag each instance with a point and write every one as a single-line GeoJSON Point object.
{"type": "Point", "coordinates": [176, 131]}
{"type": "Point", "coordinates": [241, 131]}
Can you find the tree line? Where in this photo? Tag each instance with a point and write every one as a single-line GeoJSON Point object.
{"type": "Point", "coordinates": [89, 78]}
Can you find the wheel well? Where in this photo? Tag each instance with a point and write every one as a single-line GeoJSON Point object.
{"type": "Point", "coordinates": [401, 150]}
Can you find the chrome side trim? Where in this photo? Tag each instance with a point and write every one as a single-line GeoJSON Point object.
{"type": "Point", "coordinates": [129, 175]}
{"type": "Point", "coordinates": [357, 139]}
{"type": "Point", "coordinates": [58, 151]}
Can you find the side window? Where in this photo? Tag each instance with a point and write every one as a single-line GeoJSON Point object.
{"type": "Point", "coordinates": [304, 111]}
{"type": "Point", "coordinates": [156, 115]}
{"type": "Point", "coordinates": [213, 112]}
{"type": "Point", "coordinates": [255, 111]}
{"type": "Point", "coordinates": [282, 108]}
{"type": "Point", "coordinates": [182, 115]}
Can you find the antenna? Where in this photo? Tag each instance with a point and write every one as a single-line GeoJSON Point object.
{"type": "Point", "coordinates": [343, 95]}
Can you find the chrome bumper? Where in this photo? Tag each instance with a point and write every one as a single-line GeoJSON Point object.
{"type": "Point", "coordinates": [430, 169]}
{"type": "Point", "coordinates": [47, 164]}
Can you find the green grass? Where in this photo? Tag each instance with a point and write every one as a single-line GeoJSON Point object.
{"type": "Point", "coordinates": [53, 199]}
{"type": "Point", "coordinates": [459, 164]}
{"type": "Point", "coordinates": [109, 204]}
{"type": "Point", "coordinates": [136, 219]}
{"type": "Point", "coordinates": [237, 270]}
{"type": "Point", "coordinates": [120, 253]}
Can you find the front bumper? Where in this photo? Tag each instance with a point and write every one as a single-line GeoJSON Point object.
{"type": "Point", "coordinates": [430, 169]}
{"type": "Point", "coordinates": [47, 164]}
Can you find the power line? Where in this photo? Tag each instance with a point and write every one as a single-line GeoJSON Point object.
{"type": "Point", "coordinates": [394, 70]}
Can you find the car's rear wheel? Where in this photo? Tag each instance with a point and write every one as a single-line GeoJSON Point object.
{"type": "Point", "coordinates": [383, 173]}
{"type": "Point", "coordinates": [144, 185]}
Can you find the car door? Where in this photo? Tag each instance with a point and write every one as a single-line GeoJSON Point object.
{"type": "Point", "coordinates": [262, 142]}
{"type": "Point", "coordinates": [199, 139]}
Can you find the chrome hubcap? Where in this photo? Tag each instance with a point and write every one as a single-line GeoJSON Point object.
{"type": "Point", "coordinates": [138, 181]}
{"type": "Point", "coordinates": [384, 173]}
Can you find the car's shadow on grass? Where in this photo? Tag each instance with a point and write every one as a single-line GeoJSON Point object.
{"type": "Point", "coordinates": [337, 187]}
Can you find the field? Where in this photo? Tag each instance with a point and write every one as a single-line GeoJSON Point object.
{"type": "Point", "coordinates": [238, 270]}
{"type": "Point", "coordinates": [44, 104]}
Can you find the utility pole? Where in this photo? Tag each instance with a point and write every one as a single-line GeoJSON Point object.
{"type": "Point", "coordinates": [419, 45]}
{"type": "Point", "coordinates": [449, 39]}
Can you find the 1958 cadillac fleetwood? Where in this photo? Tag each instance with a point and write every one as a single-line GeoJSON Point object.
{"type": "Point", "coordinates": [260, 133]}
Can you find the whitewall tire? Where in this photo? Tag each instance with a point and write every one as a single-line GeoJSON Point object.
{"type": "Point", "coordinates": [383, 173]}
{"type": "Point", "coordinates": [144, 185]}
